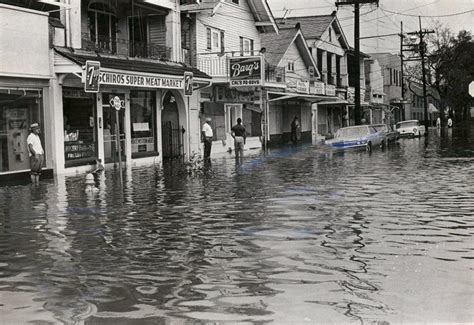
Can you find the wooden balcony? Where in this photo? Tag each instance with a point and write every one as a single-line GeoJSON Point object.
{"type": "Point", "coordinates": [125, 47]}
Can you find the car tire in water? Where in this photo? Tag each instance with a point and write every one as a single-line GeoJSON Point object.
{"type": "Point", "coordinates": [368, 147]}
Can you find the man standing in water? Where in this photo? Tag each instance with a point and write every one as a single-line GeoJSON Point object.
{"type": "Point", "coordinates": [207, 135]}
{"type": "Point", "coordinates": [240, 135]}
{"type": "Point", "coordinates": [36, 152]}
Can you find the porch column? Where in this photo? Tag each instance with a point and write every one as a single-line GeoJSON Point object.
{"type": "Point", "coordinates": [128, 130]}
{"type": "Point", "coordinates": [100, 127]}
{"type": "Point", "coordinates": [314, 123]}
{"type": "Point", "coordinates": [159, 131]}
{"type": "Point", "coordinates": [55, 125]}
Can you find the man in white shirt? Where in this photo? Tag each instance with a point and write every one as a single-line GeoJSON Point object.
{"type": "Point", "coordinates": [207, 135]}
{"type": "Point", "coordinates": [36, 152]}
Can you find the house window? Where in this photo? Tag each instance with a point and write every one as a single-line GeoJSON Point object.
{"type": "Point", "coordinates": [235, 1]}
{"type": "Point", "coordinates": [246, 46]}
{"type": "Point", "coordinates": [330, 34]}
{"type": "Point", "coordinates": [215, 40]}
{"type": "Point", "coordinates": [390, 69]}
{"type": "Point", "coordinates": [102, 27]}
{"type": "Point", "coordinates": [291, 66]}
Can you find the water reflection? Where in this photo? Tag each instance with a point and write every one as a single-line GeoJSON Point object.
{"type": "Point", "coordinates": [298, 235]}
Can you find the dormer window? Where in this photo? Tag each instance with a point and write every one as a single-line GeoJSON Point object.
{"type": "Point", "coordinates": [330, 34]}
{"type": "Point", "coordinates": [235, 1]}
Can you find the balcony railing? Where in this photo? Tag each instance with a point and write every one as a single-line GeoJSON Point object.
{"type": "Point", "coordinates": [125, 47]}
{"type": "Point", "coordinates": [214, 66]}
{"type": "Point", "coordinates": [274, 74]}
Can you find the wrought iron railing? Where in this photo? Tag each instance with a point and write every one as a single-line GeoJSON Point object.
{"type": "Point", "coordinates": [120, 46]}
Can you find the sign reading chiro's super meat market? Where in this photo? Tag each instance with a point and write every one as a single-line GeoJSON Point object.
{"type": "Point", "coordinates": [245, 71]}
{"type": "Point", "coordinates": [136, 80]}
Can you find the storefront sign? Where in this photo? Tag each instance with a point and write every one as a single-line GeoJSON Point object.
{"type": "Point", "coordinates": [302, 87]}
{"type": "Point", "coordinates": [117, 103]}
{"type": "Point", "coordinates": [91, 84]}
{"type": "Point", "coordinates": [142, 81]}
{"type": "Point", "coordinates": [245, 71]}
{"type": "Point", "coordinates": [188, 83]}
{"type": "Point", "coordinates": [319, 88]}
{"type": "Point", "coordinates": [330, 90]}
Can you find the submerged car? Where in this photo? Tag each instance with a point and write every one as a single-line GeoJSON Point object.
{"type": "Point", "coordinates": [411, 128]}
{"type": "Point", "coordinates": [356, 137]}
{"type": "Point", "coordinates": [391, 136]}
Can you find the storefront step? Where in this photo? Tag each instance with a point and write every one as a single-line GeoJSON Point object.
{"type": "Point", "coordinates": [23, 177]}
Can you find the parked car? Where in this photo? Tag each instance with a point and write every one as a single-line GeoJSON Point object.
{"type": "Point", "coordinates": [356, 137]}
{"type": "Point", "coordinates": [391, 136]}
{"type": "Point", "coordinates": [411, 128]}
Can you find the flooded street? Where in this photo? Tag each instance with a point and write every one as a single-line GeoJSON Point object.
{"type": "Point", "coordinates": [298, 236]}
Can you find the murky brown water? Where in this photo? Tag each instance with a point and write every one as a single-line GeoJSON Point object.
{"type": "Point", "coordinates": [301, 236]}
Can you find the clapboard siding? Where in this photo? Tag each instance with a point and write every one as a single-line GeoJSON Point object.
{"type": "Point", "coordinates": [293, 54]}
{"type": "Point", "coordinates": [235, 21]}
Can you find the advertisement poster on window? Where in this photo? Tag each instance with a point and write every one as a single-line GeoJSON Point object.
{"type": "Point", "coordinates": [245, 71]}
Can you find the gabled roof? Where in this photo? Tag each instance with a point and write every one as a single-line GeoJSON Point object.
{"type": "Point", "coordinates": [276, 46]}
{"type": "Point", "coordinates": [131, 64]}
{"type": "Point", "coordinates": [314, 27]}
{"type": "Point", "coordinates": [260, 10]}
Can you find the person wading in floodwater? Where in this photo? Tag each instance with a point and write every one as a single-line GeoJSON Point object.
{"type": "Point", "coordinates": [295, 130]}
{"type": "Point", "coordinates": [240, 135]}
{"type": "Point", "coordinates": [207, 135]}
{"type": "Point", "coordinates": [36, 152]}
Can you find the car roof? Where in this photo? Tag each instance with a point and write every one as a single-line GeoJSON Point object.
{"type": "Point", "coordinates": [408, 121]}
{"type": "Point", "coordinates": [354, 127]}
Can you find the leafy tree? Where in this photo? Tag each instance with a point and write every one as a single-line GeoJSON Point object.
{"type": "Point", "coordinates": [451, 69]}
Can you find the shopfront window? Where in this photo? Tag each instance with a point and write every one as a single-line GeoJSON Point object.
{"type": "Point", "coordinates": [18, 109]}
{"type": "Point", "coordinates": [80, 135]}
{"type": "Point", "coordinates": [143, 125]}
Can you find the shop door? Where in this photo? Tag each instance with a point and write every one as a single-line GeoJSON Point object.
{"type": "Point", "coordinates": [111, 151]}
{"type": "Point", "coordinates": [171, 130]}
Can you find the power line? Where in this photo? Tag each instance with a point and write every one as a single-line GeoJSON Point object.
{"type": "Point", "coordinates": [428, 16]}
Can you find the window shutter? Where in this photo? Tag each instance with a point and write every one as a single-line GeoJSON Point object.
{"type": "Point", "coordinates": [241, 46]}
{"type": "Point", "coordinates": [222, 42]}
{"type": "Point", "coordinates": [208, 30]}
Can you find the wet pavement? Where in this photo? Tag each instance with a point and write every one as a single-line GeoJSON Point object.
{"type": "Point", "coordinates": [298, 236]}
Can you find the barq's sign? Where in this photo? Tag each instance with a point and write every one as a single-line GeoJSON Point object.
{"type": "Point", "coordinates": [245, 71]}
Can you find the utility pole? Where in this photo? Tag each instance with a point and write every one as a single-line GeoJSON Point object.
{"type": "Point", "coordinates": [356, 3]}
{"type": "Point", "coordinates": [423, 74]}
{"type": "Point", "coordinates": [422, 50]}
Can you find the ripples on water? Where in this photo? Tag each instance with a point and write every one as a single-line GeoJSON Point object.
{"type": "Point", "coordinates": [302, 235]}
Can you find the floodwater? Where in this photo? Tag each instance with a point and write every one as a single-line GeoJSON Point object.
{"type": "Point", "coordinates": [298, 236]}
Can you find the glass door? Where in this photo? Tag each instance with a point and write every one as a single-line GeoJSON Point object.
{"type": "Point", "coordinates": [111, 150]}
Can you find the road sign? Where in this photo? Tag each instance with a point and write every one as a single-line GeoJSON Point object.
{"type": "Point", "coordinates": [91, 84]}
{"type": "Point", "coordinates": [188, 83]}
{"type": "Point", "coordinates": [471, 89]}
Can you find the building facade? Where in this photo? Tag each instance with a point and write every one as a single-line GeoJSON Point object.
{"type": "Point", "coordinates": [130, 52]}
{"type": "Point", "coordinates": [213, 34]}
{"type": "Point", "coordinates": [25, 76]}
{"type": "Point", "coordinates": [328, 45]}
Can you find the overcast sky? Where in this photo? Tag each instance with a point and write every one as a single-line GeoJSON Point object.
{"type": "Point", "coordinates": [382, 20]}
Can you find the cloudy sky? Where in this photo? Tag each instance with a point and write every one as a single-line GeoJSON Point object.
{"type": "Point", "coordinates": [384, 19]}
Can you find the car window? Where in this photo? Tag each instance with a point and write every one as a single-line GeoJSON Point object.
{"type": "Point", "coordinates": [407, 124]}
{"type": "Point", "coordinates": [351, 132]}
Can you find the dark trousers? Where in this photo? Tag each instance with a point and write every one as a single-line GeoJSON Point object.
{"type": "Point", "coordinates": [207, 147]}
